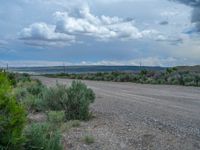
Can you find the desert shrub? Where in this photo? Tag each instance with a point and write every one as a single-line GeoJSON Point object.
{"type": "Point", "coordinates": [23, 77]}
{"type": "Point", "coordinates": [20, 93]}
{"type": "Point", "coordinates": [168, 76]}
{"type": "Point", "coordinates": [79, 99]}
{"type": "Point", "coordinates": [55, 98]}
{"type": "Point", "coordinates": [66, 126]}
{"type": "Point", "coordinates": [14, 78]}
{"type": "Point", "coordinates": [33, 87]}
{"type": "Point", "coordinates": [88, 139]}
{"type": "Point", "coordinates": [12, 118]}
{"type": "Point", "coordinates": [41, 136]}
{"type": "Point", "coordinates": [33, 103]}
{"type": "Point", "coordinates": [197, 80]}
{"type": "Point", "coordinates": [75, 123]}
{"type": "Point", "coordinates": [29, 94]}
{"type": "Point", "coordinates": [56, 117]}
{"type": "Point", "coordinates": [74, 100]}
{"type": "Point", "coordinates": [143, 72]}
{"type": "Point", "coordinates": [181, 80]}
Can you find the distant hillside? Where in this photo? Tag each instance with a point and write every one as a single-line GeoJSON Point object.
{"type": "Point", "coordinates": [189, 68]}
{"type": "Point", "coordinates": [83, 69]}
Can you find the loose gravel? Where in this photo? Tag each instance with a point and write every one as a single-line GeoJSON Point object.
{"type": "Point", "coordinates": [130, 116]}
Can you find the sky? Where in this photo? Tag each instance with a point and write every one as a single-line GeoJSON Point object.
{"type": "Point", "coordinates": [99, 32]}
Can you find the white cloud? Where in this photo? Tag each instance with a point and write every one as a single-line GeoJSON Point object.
{"type": "Point", "coordinates": [148, 61]}
{"type": "Point", "coordinates": [69, 27]}
{"type": "Point", "coordinates": [169, 13]}
{"type": "Point", "coordinates": [189, 49]}
{"type": "Point", "coordinates": [99, 27]}
{"type": "Point", "coordinates": [29, 63]}
{"type": "Point", "coordinates": [42, 34]}
{"type": "Point", "coordinates": [173, 40]}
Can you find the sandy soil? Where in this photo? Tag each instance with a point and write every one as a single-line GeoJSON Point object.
{"type": "Point", "coordinates": [143, 117]}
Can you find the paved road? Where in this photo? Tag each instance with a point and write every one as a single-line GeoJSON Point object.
{"type": "Point", "coordinates": [147, 116]}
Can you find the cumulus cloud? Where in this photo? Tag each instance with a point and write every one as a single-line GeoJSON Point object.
{"type": "Point", "coordinates": [99, 27]}
{"type": "Point", "coordinates": [71, 26]}
{"type": "Point", "coordinates": [42, 34]}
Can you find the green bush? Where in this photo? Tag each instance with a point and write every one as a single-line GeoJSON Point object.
{"type": "Point", "coordinates": [74, 100]}
{"type": "Point", "coordinates": [29, 93]}
{"type": "Point", "coordinates": [168, 76]}
{"type": "Point", "coordinates": [12, 78]}
{"type": "Point", "coordinates": [41, 136]}
{"type": "Point", "coordinates": [16, 77]}
{"type": "Point", "coordinates": [33, 87]}
{"type": "Point", "coordinates": [88, 139]}
{"type": "Point", "coordinates": [75, 123]}
{"type": "Point", "coordinates": [56, 117]}
{"type": "Point", "coordinates": [33, 103]}
{"type": "Point", "coordinates": [79, 99]}
{"type": "Point", "coordinates": [12, 118]}
{"type": "Point", "coordinates": [23, 77]}
{"type": "Point", "coordinates": [20, 93]}
{"type": "Point", "coordinates": [55, 98]}
{"type": "Point", "coordinates": [66, 126]}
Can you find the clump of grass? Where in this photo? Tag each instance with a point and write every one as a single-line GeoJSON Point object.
{"type": "Point", "coordinates": [75, 123]}
{"type": "Point", "coordinates": [41, 136]}
{"type": "Point", "coordinates": [56, 116]}
{"type": "Point", "coordinates": [70, 124]}
{"type": "Point", "coordinates": [88, 139]}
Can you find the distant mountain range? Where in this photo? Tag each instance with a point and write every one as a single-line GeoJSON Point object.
{"type": "Point", "coordinates": [94, 69]}
{"type": "Point", "coordinates": [83, 69]}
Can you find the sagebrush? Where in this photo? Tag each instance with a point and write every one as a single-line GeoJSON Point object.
{"type": "Point", "coordinates": [74, 100]}
{"type": "Point", "coordinates": [41, 136]}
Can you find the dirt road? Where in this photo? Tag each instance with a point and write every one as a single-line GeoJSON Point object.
{"type": "Point", "coordinates": [134, 116]}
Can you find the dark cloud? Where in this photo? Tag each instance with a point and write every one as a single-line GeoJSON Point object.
{"type": "Point", "coordinates": [195, 13]}
{"type": "Point", "coordinates": [164, 23]}
{"type": "Point", "coordinates": [196, 17]}
{"type": "Point", "coordinates": [195, 3]}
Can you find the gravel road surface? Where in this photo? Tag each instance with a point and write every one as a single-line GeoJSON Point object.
{"type": "Point", "coordinates": [132, 116]}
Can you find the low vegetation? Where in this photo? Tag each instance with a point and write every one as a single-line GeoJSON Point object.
{"type": "Point", "coordinates": [74, 100]}
{"type": "Point", "coordinates": [64, 107]}
{"type": "Point", "coordinates": [66, 126]}
{"type": "Point", "coordinates": [12, 118]}
{"type": "Point", "coordinates": [88, 139]}
{"type": "Point", "coordinates": [41, 136]}
{"type": "Point", "coordinates": [171, 76]}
